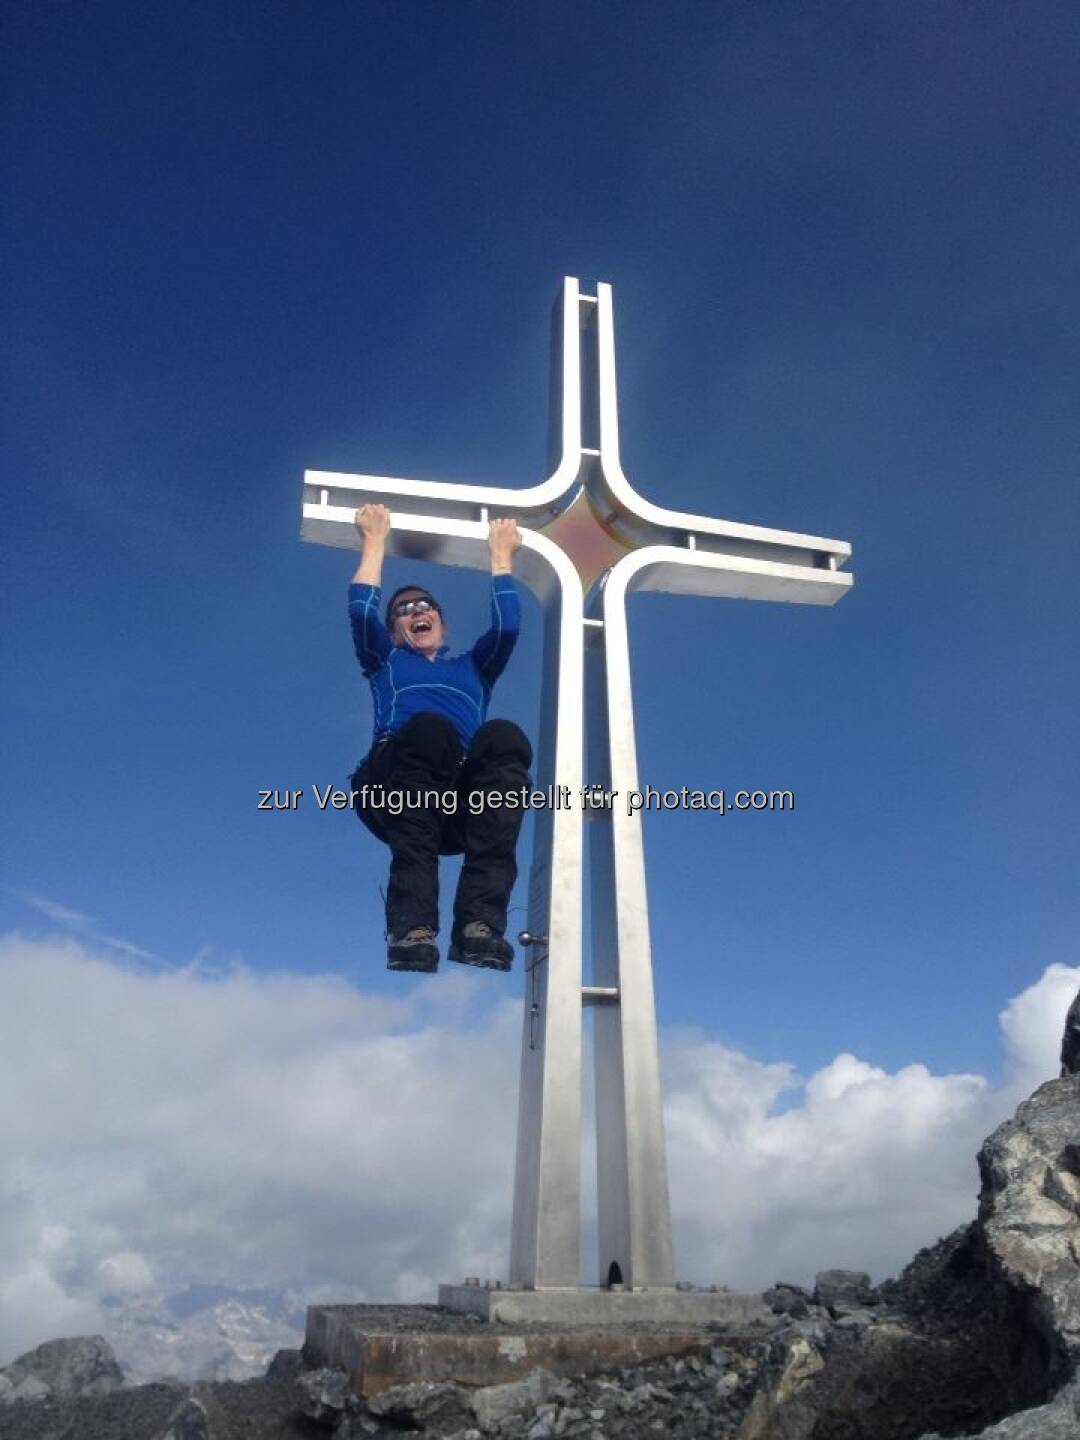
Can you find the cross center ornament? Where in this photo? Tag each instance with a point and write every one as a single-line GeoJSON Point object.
{"type": "Point", "coordinates": [589, 540]}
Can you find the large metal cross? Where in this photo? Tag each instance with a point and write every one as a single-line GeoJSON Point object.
{"type": "Point", "coordinates": [589, 540]}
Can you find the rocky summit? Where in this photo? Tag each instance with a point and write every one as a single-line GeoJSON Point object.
{"type": "Point", "coordinates": [979, 1336]}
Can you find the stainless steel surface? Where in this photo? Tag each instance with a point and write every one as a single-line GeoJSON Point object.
{"type": "Point", "coordinates": [587, 532]}
{"type": "Point", "coordinates": [544, 1245]}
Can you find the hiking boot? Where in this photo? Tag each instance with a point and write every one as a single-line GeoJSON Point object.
{"type": "Point", "coordinates": [477, 944]}
{"type": "Point", "coordinates": [415, 950]}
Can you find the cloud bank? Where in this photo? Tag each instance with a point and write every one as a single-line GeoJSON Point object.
{"type": "Point", "coordinates": [167, 1130]}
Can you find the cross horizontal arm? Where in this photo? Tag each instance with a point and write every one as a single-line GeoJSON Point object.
{"type": "Point", "coordinates": [644, 523]}
{"type": "Point", "coordinates": [334, 490]}
{"type": "Point", "coordinates": [539, 564]}
{"type": "Point", "coordinates": [678, 571]}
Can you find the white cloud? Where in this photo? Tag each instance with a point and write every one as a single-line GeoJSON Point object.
{"type": "Point", "coordinates": [125, 1273]}
{"type": "Point", "coordinates": [288, 1132]}
{"type": "Point", "coordinates": [864, 1169]}
{"type": "Point", "coordinates": [282, 1131]}
{"type": "Point", "coordinates": [1032, 1023]}
{"type": "Point", "coordinates": [867, 1168]}
{"type": "Point", "coordinates": [36, 1305]}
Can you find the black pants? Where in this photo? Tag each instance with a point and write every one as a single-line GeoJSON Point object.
{"type": "Point", "coordinates": [424, 763]}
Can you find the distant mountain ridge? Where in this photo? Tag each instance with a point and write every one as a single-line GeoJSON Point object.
{"type": "Point", "coordinates": [202, 1334]}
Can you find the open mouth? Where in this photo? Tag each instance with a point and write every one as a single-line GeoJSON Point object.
{"type": "Point", "coordinates": [420, 627]}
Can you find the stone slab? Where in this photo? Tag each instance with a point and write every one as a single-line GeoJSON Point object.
{"type": "Point", "coordinates": [460, 1348]}
{"type": "Point", "coordinates": [735, 1308]}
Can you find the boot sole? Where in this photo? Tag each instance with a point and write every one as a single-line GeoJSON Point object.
{"type": "Point", "coordinates": [422, 964]}
{"type": "Point", "coordinates": [478, 958]}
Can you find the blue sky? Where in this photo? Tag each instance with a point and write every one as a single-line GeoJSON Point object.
{"type": "Point", "coordinates": [239, 240]}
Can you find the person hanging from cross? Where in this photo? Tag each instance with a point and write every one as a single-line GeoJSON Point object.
{"type": "Point", "coordinates": [435, 779]}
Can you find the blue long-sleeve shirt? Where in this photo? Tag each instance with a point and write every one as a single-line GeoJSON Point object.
{"type": "Point", "coordinates": [404, 683]}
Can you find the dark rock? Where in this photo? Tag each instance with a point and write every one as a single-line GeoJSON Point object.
{"type": "Point", "coordinates": [1070, 1040]}
{"type": "Point", "coordinates": [286, 1365]}
{"type": "Point", "coordinates": [807, 1295]}
{"type": "Point", "coordinates": [60, 1369]}
{"type": "Point", "coordinates": [137, 1413]}
{"type": "Point", "coordinates": [855, 1319]}
{"type": "Point", "coordinates": [438, 1406]}
{"type": "Point", "coordinates": [363, 1427]}
{"type": "Point", "coordinates": [876, 1382]}
{"type": "Point", "coordinates": [1058, 1420]}
{"type": "Point", "coordinates": [259, 1409]}
{"type": "Point", "coordinates": [1029, 1221]}
{"type": "Point", "coordinates": [325, 1394]}
{"type": "Point", "coordinates": [840, 1290]}
{"type": "Point", "coordinates": [788, 1300]}
{"type": "Point", "coordinates": [30, 1387]}
{"type": "Point", "coordinates": [493, 1405]}
{"type": "Point", "coordinates": [942, 1287]}
{"type": "Point", "coordinates": [187, 1422]}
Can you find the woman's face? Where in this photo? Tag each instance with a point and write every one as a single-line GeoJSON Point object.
{"type": "Point", "coordinates": [421, 630]}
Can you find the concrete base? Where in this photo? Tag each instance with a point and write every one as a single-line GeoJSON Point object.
{"type": "Point", "coordinates": [735, 1308]}
{"type": "Point", "coordinates": [569, 1333]}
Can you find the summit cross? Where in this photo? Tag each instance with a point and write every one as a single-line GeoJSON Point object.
{"type": "Point", "coordinates": [589, 539]}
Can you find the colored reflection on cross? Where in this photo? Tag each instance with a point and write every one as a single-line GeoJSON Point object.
{"type": "Point", "coordinates": [579, 531]}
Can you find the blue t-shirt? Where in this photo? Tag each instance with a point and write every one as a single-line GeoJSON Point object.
{"type": "Point", "coordinates": [404, 683]}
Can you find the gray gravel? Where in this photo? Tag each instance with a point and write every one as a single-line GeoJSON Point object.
{"type": "Point", "coordinates": [687, 1399]}
{"type": "Point", "coordinates": [251, 1410]}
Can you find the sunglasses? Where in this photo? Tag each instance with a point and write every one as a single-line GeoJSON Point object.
{"type": "Point", "coordinates": [414, 607]}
